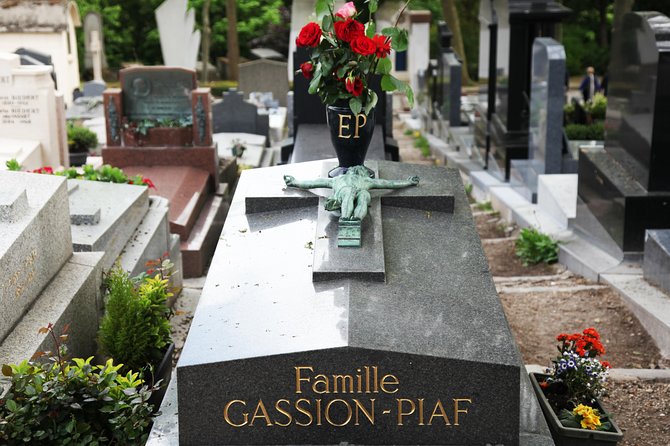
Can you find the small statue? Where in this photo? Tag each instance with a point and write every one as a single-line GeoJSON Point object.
{"type": "Point", "coordinates": [350, 193]}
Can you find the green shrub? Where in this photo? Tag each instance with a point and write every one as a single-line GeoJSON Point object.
{"type": "Point", "coordinates": [597, 107]}
{"type": "Point", "coordinates": [533, 247]}
{"type": "Point", "coordinates": [220, 87]}
{"type": "Point", "coordinates": [485, 206]}
{"type": "Point", "coordinates": [135, 329]}
{"type": "Point", "coordinates": [61, 402]}
{"type": "Point", "coordinates": [13, 165]}
{"type": "Point", "coordinates": [422, 144]}
{"type": "Point", "coordinates": [80, 139]}
{"type": "Point", "coordinates": [595, 131]}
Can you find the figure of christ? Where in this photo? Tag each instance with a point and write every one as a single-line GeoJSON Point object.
{"type": "Point", "coordinates": [350, 191]}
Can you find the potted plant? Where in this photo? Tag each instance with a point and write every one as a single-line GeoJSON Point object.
{"type": "Point", "coordinates": [135, 329]}
{"type": "Point", "coordinates": [71, 401]}
{"type": "Point", "coordinates": [346, 50]}
{"type": "Point", "coordinates": [569, 393]}
{"type": "Point", "coordinates": [177, 131]}
{"type": "Point", "coordinates": [79, 141]}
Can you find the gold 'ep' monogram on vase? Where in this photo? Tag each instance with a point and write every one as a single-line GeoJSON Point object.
{"type": "Point", "coordinates": [360, 117]}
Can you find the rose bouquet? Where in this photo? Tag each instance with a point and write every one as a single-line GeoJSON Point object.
{"type": "Point", "coordinates": [346, 51]}
{"type": "Point", "coordinates": [577, 379]}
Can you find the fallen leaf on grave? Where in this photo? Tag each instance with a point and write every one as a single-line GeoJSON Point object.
{"type": "Point", "coordinates": [243, 230]}
{"type": "Point", "coordinates": [309, 245]}
{"type": "Point", "coordinates": [179, 312]}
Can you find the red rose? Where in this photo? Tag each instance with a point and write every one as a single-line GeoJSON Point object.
{"type": "Point", "coordinates": [363, 45]}
{"type": "Point", "coordinates": [310, 35]}
{"type": "Point", "coordinates": [354, 86]}
{"type": "Point", "coordinates": [383, 47]}
{"type": "Point", "coordinates": [307, 70]}
{"type": "Point", "coordinates": [606, 364]}
{"type": "Point", "coordinates": [348, 30]}
{"type": "Point", "coordinates": [149, 183]}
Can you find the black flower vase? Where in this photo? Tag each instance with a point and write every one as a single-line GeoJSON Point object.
{"type": "Point", "coordinates": [351, 135]}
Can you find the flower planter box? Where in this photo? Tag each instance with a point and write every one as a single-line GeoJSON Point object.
{"type": "Point", "coordinates": [568, 436]}
{"type": "Point", "coordinates": [78, 158]}
{"type": "Point", "coordinates": [162, 372]}
{"type": "Point", "coordinates": [159, 137]}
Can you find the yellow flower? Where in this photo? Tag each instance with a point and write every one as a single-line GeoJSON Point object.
{"type": "Point", "coordinates": [590, 416]}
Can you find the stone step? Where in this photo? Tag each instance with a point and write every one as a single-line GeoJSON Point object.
{"type": "Point", "coordinates": [104, 216]}
{"type": "Point", "coordinates": [557, 196]}
{"type": "Point", "coordinates": [198, 249]}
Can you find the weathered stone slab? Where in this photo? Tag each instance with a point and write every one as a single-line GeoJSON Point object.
{"type": "Point", "coordinates": [656, 265]}
{"type": "Point", "coordinates": [118, 209]}
{"type": "Point", "coordinates": [435, 330]}
{"type": "Point", "coordinates": [34, 242]}
{"type": "Point", "coordinates": [72, 297]}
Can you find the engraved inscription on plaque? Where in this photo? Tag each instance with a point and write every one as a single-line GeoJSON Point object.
{"type": "Point", "coordinates": [157, 94]}
{"type": "Point", "coordinates": [18, 108]}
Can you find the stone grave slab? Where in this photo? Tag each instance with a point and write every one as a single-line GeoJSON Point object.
{"type": "Point", "coordinates": [157, 93]}
{"type": "Point", "coordinates": [425, 358]}
{"type": "Point", "coordinates": [35, 239]}
{"type": "Point", "coordinates": [265, 75]}
{"type": "Point", "coordinates": [94, 88]}
{"type": "Point", "coordinates": [71, 297]}
{"type": "Point", "coordinates": [105, 215]}
{"type": "Point", "coordinates": [234, 114]}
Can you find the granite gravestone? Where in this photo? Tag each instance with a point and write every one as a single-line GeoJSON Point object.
{"type": "Point", "coordinates": [449, 74]}
{"type": "Point", "coordinates": [177, 154]}
{"type": "Point", "coordinates": [508, 134]}
{"type": "Point", "coordinates": [265, 75]}
{"type": "Point", "coordinates": [234, 114]}
{"type": "Point", "coordinates": [656, 266]}
{"type": "Point", "coordinates": [418, 352]}
{"type": "Point", "coordinates": [545, 136]}
{"type": "Point", "coordinates": [42, 281]}
{"type": "Point", "coordinates": [624, 187]}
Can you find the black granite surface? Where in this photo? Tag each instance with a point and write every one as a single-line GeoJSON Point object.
{"type": "Point", "coordinates": [638, 106]}
{"type": "Point", "coordinates": [623, 207]}
{"type": "Point", "coordinates": [436, 325]}
{"type": "Point", "coordinates": [313, 143]}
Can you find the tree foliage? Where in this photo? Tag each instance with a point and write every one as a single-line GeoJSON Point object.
{"type": "Point", "coordinates": [131, 34]}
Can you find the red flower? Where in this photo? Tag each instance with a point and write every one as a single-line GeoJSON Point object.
{"type": "Point", "coordinates": [562, 337]}
{"type": "Point", "coordinates": [592, 333]}
{"type": "Point", "coordinates": [606, 364]}
{"type": "Point", "coordinates": [544, 384]}
{"type": "Point", "coordinates": [307, 70]}
{"type": "Point", "coordinates": [46, 170]}
{"type": "Point", "coordinates": [383, 47]}
{"type": "Point", "coordinates": [363, 45]}
{"type": "Point", "coordinates": [310, 35]}
{"type": "Point", "coordinates": [354, 86]}
{"type": "Point", "coordinates": [149, 183]}
{"type": "Point", "coordinates": [348, 30]}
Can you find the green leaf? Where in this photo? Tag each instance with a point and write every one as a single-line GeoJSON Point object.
{"type": "Point", "coordinates": [314, 84]}
{"type": "Point", "coordinates": [373, 6]}
{"type": "Point", "coordinates": [399, 41]}
{"type": "Point", "coordinates": [387, 83]}
{"type": "Point", "coordinates": [355, 105]}
{"type": "Point", "coordinates": [370, 28]}
{"type": "Point", "coordinates": [342, 71]}
{"type": "Point", "coordinates": [7, 370]}
{"type": "Point", "coordinates": [11, 405]}
{"type": "Point", "coordinates": [372, 101]}
{"type": "Point", "coordinates": [410, 95]}
{"type": "Point", "coordinates": [327, 23]}
{"type": "Point", "coordinates": [390, 31]}
{"type": "Point", "coordinates": [323, 8]}
{"type": "Point", "coordinates": [384, 66]}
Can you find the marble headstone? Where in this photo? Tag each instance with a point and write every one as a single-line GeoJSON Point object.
{"type": "Point", "coordinates": [180, 41]}
{"type": "Point", "coordinates": [32, 116]}
{"type": "Point", "coordinates": [93, 23]}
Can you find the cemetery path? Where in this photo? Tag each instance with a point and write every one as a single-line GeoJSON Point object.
{"type": "Point", "coordinates": [543, 301]}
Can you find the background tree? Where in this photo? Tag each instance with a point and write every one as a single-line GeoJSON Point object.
{"type": "Point", "coordinates": [206, 36]}
{"type": "Point", "coordinates": [232, 44]}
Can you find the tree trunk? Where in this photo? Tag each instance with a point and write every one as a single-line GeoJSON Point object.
{"type": "Point", "coordinates": [451, 17]}
{"type": "Point", "coordinates": [233, 44]}
{"type": "Point", "coordinates": [206, 33]}
{"type": "Point", "coordinates": [602, 26]}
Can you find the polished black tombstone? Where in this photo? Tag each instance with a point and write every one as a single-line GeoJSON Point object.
{"type": "Point", "coordinates": [509, 122]}
{"type": "Point", "coordinates": [624, 188]}
{"type": "Point", "coordinates": [308, 109]}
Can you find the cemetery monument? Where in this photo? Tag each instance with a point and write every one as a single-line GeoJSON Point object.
{"type": "Point", "coordinates": [624, 188]}
{"type": "Point", "coordinates": [159, 124]}
{"type": "Point", "coordinates": [180, 41]}
{"type": "Point", "coordinates": [401, 341]}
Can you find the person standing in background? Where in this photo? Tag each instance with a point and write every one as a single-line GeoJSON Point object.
{"type": "Point", "coordinates": [590, 85]}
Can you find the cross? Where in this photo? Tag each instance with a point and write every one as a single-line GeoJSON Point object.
{"type": "Point", "coordinates": [331, 262]}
